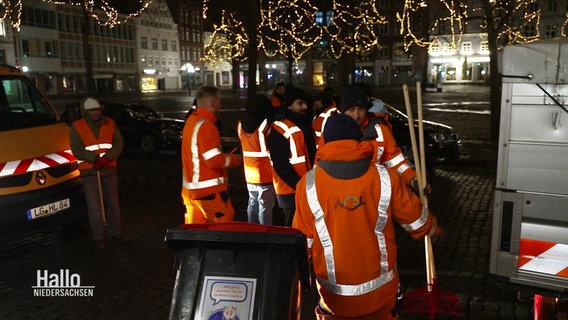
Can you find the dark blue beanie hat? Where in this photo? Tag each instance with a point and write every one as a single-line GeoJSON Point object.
{"type": "Point", "coordinates": [341, 127]}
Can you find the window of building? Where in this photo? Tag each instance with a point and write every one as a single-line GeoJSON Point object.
{"type": "Point", "coordinates": [384, 52]}
{"type": "Point", "coordinates": [550, 31]}
{"type": "Point", "coordinates": [164, 45]}
{"type": "Point", "coordinates": [174, 45]}
{"type": "Point", "coordinates": [484, 46]}
{"type": "Point", "coordinates": [529, 30]}
{"type": "Point", "coordinates": [435, 48]}
{"type": "Point", "coordinates": [2, 28]}
{"type": "Point", "coordinates": [466, 47]}
{"type": "Point", "coordinates": [532, 7]}
{"type": "Point", "coordinates": [225, 78]}
{"type": "Point", "coordinates": [447, 48]}
{"type": "Point", "coordinates": [154, 43]}
{"type": "Point", "coordinates": [26, 47]}
{"type": "Point", "coordinates": [451, 74]}
{"type": "Point", "coordinates": [48, 52]}
{"type": "Point", "coordinates": [318, 77]}
{"type": "Point", "coordinates": [552, 6]}
{"type": "Point", "coordinates": [384, 29]}
{"type": "Point", "coordinates": [144, 43]}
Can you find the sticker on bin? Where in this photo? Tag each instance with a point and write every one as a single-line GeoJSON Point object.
{"type": "Point", "coordinates": [48, 209]}
{"type": "Point", "coordinates": [227, 298]}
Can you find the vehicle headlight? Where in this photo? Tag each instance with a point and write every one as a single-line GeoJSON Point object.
{"type": "Point", "coordinates": [439, 137]}
{"type": "Point", "coordinates": [443, 136]}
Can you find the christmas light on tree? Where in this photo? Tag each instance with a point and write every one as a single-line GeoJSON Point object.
{"type": "Point", "coordinates": [288, 28]}
{"type": "Point", "coordinates": [354, 27]}
{"type": "Point", "coordinates": [447, 16]}
{"type": "Point", "coordinates": [228, 41]}
{"type": "Point", "coordinates": [11, 11]}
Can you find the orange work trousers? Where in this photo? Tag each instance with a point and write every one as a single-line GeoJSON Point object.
{"type": "Point", "coordinates": [211, 209]}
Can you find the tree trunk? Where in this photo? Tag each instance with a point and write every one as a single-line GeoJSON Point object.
{"type": "Point", "coordinates": [87, 53]}
{"type": "Point", "coordinates": [235, 74]}
{"type": "Point", "coordinates": [251, 29]}
{"type": "Point", "coordinates": [289, 70]}
{"type": "Point", "coordinates": [494, 76]}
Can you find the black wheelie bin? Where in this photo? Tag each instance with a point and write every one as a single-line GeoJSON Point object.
{"type": "Point", "coordinates": [238, 271]}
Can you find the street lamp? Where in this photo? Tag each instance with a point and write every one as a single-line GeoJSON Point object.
{"type": "Point", "coordinates": [188, 67]}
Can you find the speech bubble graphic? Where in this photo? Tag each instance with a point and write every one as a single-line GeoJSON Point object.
{"type": "Point", "coordinates": [228, 291]}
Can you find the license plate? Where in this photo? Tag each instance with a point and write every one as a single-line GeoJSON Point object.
{"type": "Point", "coordinates": [48, 209]}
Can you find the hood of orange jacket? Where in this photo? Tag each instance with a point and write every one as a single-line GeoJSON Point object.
{"type": "Point", "coordinates": [345, 159]}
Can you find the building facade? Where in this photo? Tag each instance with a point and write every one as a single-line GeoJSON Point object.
{"type": "Point", "coordinates": [188, 16]}
{"type": "Point", "coordinates": [158, 52]}
{"type": "Point", "coordinates": [140, 54]}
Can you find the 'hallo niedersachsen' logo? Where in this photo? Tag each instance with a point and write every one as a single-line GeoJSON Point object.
{"type": "Point", "coordinates": [62, 284]}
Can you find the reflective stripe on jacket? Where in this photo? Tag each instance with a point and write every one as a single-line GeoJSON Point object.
{"type": "Point", "coordinates": [256, 159]}
{"type": "Point", "coordinates": [321, 119]}
{"type": "Point", "coordinates": [100, 144]}
{"type": "Point", "coordinates": [387, 151]}
{"type": "Point", "coordinates": [348, 222]}
{"type": "Point", "coordinates": [298, 156]}
{"type": "Point", "coordinates": [203, 162]}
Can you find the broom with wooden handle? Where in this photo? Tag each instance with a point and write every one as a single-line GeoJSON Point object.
{"type": "Point", "coordinates": [428, 299]}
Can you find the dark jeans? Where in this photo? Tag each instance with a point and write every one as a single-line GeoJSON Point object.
{"type": "Point", "coordinates": [109, 190]}
{"type": "Point", "coordinates": [288, 216]}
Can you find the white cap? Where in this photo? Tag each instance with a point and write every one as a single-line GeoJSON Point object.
{"type": "Point", "coordinates": [90, 104]}
{"type": "Point", "coordinates": [378, 107]}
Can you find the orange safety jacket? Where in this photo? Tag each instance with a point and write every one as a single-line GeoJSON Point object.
{"type": "Point", "coordinates": [298, 158]}
{"type": "Point", "coordinates": [98, 145]}
{"type": "Point", "coordinates": [275, 101]}
{"type": "Point", "coordinates": [387, 151]}
{"type": "Point", "coordinates": [348, 223]}
{"type": "Point", "coordinates": [256, 159]}
{"type": "Point", "coordinates": [203, 162]}
{"type": "Point", "coordinates": [321, 119]}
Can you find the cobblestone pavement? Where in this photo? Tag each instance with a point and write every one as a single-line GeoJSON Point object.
{"type": "Point", "coordinates": [135, 280]}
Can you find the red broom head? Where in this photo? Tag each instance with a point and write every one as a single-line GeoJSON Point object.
{"type": "Point", "coordinates": [432, 302]}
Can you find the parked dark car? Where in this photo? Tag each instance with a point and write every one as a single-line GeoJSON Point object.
{"type": "Point", "coordinates": [143, 128]}
{"type": "Point", "coordinates": [441, 142]}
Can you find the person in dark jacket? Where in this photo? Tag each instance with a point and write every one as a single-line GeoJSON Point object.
{"type": "Point", "coordinates": [292, 148]}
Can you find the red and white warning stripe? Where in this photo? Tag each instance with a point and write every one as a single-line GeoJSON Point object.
{"type": "Point", "coordinates": [35, 164]}
{"type": "Point", "coordinates": [544, 257]}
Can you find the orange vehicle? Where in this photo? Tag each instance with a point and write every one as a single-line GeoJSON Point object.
{"type": "Point", "coordinates": [39, 179]}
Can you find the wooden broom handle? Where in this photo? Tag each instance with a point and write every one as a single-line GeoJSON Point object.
{"type": "Point", "coordinates": [417, 162]}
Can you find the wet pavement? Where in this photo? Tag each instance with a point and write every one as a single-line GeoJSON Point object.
{"type": "Point", "coordinates": [135, 280]}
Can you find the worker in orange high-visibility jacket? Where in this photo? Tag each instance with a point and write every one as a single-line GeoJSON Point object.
{"type": "Point", "coordinates": [251, 130]}
{"type": "Point", "coordinates": [379, 131]}
{"type": "Point", "coordinates": [205, 181]}
{"type": "Point", "coordinates": [291, 145]}
{"type": "Point", "coordinates": [325, 106]}
{"type": "Point", "coordinates": [355, 103]}
{"type": "Point", "coordinates": [347, 206]}
{"type": "Point", "coordinates": [97, 143]}
{"type": "Point", "coordinates": [277, 97]}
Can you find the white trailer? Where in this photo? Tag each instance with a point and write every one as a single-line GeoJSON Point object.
{"type": "Point", "coordinates": [530, 221]}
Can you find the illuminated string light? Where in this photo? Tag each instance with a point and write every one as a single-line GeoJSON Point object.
{"type": "Point", "coordinates": [355, 27]}
{"type": "Point", "coordinates": [288, 28]}
{"type": "Point", "coordinates": [228, 41]}
{"type": "Point", "coordinates": [450, 17]}
{"type": "Point", "coordinates": [11, 11]}
{"type": "Point", "coordinates": [104, 14]}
